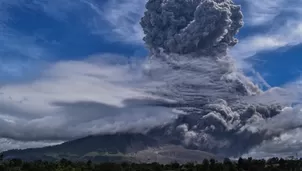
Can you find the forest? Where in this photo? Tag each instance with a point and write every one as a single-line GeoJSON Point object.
{"type": "Point", "coordinates": [273, 164]}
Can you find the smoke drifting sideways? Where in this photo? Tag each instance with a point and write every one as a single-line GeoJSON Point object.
{"type": "Point", "coordinates": [189, 64]}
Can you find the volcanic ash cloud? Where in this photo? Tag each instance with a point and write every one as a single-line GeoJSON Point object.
{"type": "Point", "coordinates": [191, 26]}
{"type": "Point", "coordinates": [188, 41]}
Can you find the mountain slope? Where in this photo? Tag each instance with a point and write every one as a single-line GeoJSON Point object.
{"type": "Point", "coordinates": [110, 146]}
{"type": "Point", "coordinates": [113, 148]}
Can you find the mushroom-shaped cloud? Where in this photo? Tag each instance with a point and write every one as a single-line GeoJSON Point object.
{"type": "Point", "coordinates": [188, 41]}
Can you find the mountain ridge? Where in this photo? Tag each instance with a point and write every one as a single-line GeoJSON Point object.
{"type": "Point", "coordinates": [119, 147]}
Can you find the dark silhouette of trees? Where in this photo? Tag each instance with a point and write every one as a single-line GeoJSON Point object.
{"type": "Point", "coordinates": [273, 164]}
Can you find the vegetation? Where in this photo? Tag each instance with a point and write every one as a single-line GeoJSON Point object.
{"type": "Point", "coordinates": [274, 164]}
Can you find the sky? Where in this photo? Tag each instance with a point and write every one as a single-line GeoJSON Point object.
{"type": "Point", "coordinates": [35, 33]}
{"type": "Point", "coordinates": [55, 58]}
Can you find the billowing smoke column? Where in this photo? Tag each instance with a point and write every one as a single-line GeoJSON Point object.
{"type": "Point", "coordinates": [191, 26]}
{"type": "Point", "coordinates": [188, 41]}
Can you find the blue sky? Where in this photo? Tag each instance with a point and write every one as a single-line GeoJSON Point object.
{"type": "Point", "coordinates": [38, 32]}
{"type": "Point", "coordinates": [273, 34]}
{"type": "Point", "coordinates": [48, 52]}
{"type": "Point", "coordinates": [32, 35]}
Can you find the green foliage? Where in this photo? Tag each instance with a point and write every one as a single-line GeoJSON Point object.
{"type": "Point", "coordinates": [274, 164]}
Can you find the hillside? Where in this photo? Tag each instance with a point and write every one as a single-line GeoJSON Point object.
{"type": "Point", "coordinates": [104, 147]}
{"type": "Point", "coordinates": [112, 148]}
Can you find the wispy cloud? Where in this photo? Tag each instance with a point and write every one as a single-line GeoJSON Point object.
{"type": "Point", "coordinates": [17, 45]}
{"type": "Point", "coordinates": [117, 20]}
{"type": "Point", "coordinates": [18, 50]}
{"type": "Point", "coordinates": [285, 145]}
{"type": "Point", "coordinates": [13, 144]}
{"type": "Point", "coordinates": [289, 34]}
{"type": "Point", "coordinates": [78, 98]}
{"type": "Point", "coordinates": [260, 12]}
{"type": "Point", "coordinates": [21, 49]}
{"type": "Point", "coordinates": [14, 43]}
{"type": "Point", "coordinates": [123, 17]}
{"type": "Point", "coordinates": [282, 26]}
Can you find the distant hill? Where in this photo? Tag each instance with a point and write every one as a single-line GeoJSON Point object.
{"type": "Point", "coordinates": [119, 147]}
{"type": "Point", "coordinates": [91, 147]}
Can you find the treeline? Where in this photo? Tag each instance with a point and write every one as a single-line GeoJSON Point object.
{"type": "Point", "coordinates": [274, 164]}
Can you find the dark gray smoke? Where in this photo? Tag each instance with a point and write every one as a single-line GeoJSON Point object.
{"type": "Point", "coordinates": [188, 41]}
{"type": "Point", "coordinates": [191, 26]}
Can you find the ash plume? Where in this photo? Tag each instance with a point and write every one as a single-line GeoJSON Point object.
{"type": "Point", "coordinates": [189, 64]}
{"type": "Point", "coordinates": [191, 26]}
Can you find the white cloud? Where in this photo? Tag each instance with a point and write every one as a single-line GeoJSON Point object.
{"type": "Point", "coordinates": [285, 145]}
{"type": "Point", "coordinates": [284, 129]}
{"type": "Point", "coordinates": [124, 17]}
{"type": "Point", "coordinates": [12, 144]}
{"type": "Point", "coordinates": [77, 98]}
{"type": "Point", "coordinates": [256, 44]}
{"type": "Point", "coordinates": [289, 34]}
{"type": "Point", "coordinates": [260, 12]}
{"type": "Point", "coordinates": [283, 27]}
{"type": "Point", "coordinates": [117, 20]}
